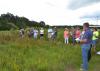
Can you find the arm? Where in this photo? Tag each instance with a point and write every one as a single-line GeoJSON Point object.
{"type": "Point", "coordinates": [83, 41]}
{"type": "Point", "coordinates": [97, 35]}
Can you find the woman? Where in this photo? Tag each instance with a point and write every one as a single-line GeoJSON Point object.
{"type": "Point", "coordinates": [66, 36]}
{"type": "Point", "coordinates": [95, 38]}
{"type": "Point", "coordinates": [77, 33]}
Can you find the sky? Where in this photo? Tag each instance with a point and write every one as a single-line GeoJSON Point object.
{"type": "Point", "coordinates": [54, 12]}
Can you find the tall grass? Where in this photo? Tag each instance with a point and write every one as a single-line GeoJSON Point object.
{"type": "Point", "coordinates": [27, 54]}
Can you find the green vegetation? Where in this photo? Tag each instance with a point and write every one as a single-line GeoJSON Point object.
{"type": "Point", "coordinates": [27, 54]}
{"type": "Point", "coordinates": [9, 21]}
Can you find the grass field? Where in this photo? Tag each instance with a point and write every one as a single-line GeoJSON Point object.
{"type": "Point", "coordinates": [27, 54]}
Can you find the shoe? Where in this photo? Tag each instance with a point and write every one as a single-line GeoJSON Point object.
{"type": "Point", "coordinates": [81, 67]}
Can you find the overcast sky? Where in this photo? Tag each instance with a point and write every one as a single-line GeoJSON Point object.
{"type": "Point", "coordinates": [53, 12]}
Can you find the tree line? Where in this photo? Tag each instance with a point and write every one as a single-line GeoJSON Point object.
{"type": "Point", "coordinates": [9, 21]}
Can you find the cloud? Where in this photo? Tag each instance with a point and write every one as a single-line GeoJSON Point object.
{"type": "Point", "coordinates": [94, 16]}
{"type": "Point", "coordinates": [53, 12]}
{"type": "Point", "coordinates": [75, 4]}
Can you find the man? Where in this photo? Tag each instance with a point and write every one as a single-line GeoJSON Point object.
{"type": "Point", "coordinates": [86, 42]}
{"type": "Point", "coordinates": [54, 36]}
{"type": "Point", "coordinates": [50, 31]}
{"type": "Point", "coordinates": [73, 35]}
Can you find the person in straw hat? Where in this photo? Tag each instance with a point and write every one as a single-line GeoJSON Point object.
{"type": "Point", "coordinates": [66, 36]}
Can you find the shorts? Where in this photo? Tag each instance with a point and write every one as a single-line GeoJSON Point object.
{"type": "Point", "coordinates": [41, 35]}
{"type": "Point", "coordinates": [94, 42]}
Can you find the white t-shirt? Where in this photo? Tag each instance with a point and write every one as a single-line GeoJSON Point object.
{"type": "Point", "coordinates": [50, 30]}
{"type": "Point", "coordinates": [35, 32]}
{"type": "Point", "coordinates": [41, 31]}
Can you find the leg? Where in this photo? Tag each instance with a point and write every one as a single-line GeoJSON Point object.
{"type": "Point", "coordinates": [89, 55]}
{"type": "Point", "coordinates": [94, 45]}
{"type": "Point", "coordinates": [65, 40]}
{"type": "Point", "coordinates": [94, 48]}
{"type": "Point", "coordinates": [85, 58]}
{"type": "Point", "coordinates": [73, 40]}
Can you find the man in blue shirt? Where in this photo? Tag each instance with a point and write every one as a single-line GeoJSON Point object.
{"type": "Point", "coordinates": [86, 45]}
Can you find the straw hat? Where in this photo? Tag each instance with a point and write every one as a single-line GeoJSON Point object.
{"type": "Point", "coordinates": [66, 29]}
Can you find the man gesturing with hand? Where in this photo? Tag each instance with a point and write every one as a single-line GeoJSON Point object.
{"type": "Point", "coordinates": [86, 42]}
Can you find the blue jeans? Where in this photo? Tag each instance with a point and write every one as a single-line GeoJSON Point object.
{"type": "Point", "coordinates": [73, 39]}
{"type": "Point", "coordinates": [89, 54]}
{"type": "Point", "coordinates": [85, 51]}
{"type": "Point", "coordinates": [66, 40]}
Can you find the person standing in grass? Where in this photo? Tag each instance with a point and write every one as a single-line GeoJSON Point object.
{"type": "Point", "coordinates": [66, 36]}
{"type": "Point", "coordinates": [35, 33]}
{"type": "Point", "coordinates": [21, 32]}
{"type": "Point", "coordinates": [73, 35]}
{"type": "Point", "coordinates": [77, 33]}
{"type": "Point", "coordinates": [41, 33]}
{"type": "Point", "coordinates": [95, 38]}
{"type": "Point", "coordinates": [31, 32]}
{"type": "Point", "coordinates": [89, 53]}
{"type": "Point", "coordinates": [86, 45]}
{"type": "Point", "coordinates": [54, 33]}
{"type": "Point", "coordinates": [50, 31]}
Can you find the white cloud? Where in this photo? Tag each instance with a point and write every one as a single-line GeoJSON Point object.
{"type": "Point", "coordinates": [75, 4]}
{"type": "Point", "coordinates": [53, 12]}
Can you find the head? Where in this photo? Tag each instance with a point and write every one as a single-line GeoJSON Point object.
{"type": "Point", "coordinates": [94, 29]}
{"type": "Point", "coordinates": [72, 28]}
{"type": "Point", "coordinates": [85, 26]}
{"type": "Point", "coordinates": [55, 28]}
{"type": "Point", "coordinates": [41, 28]}
{"type": "Point", "coordinates": [66, 29]}
{"type": "Point", "coordinates": [78, 28]}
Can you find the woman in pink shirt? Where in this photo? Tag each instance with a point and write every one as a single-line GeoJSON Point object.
{"type": "Point", "coordinates": [66, 36]}
{"type": "Point", "coordinates": [77, 33]}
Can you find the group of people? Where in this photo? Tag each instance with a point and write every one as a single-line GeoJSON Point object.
{"type": "Point", "coordinates": [35, 33]}
{"type": "Point", "coordinates": [86, 37]}
{"type": "Point", "coordinates": [77, 33]}
{"type": "Point", "coordinates": [74, 33]}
